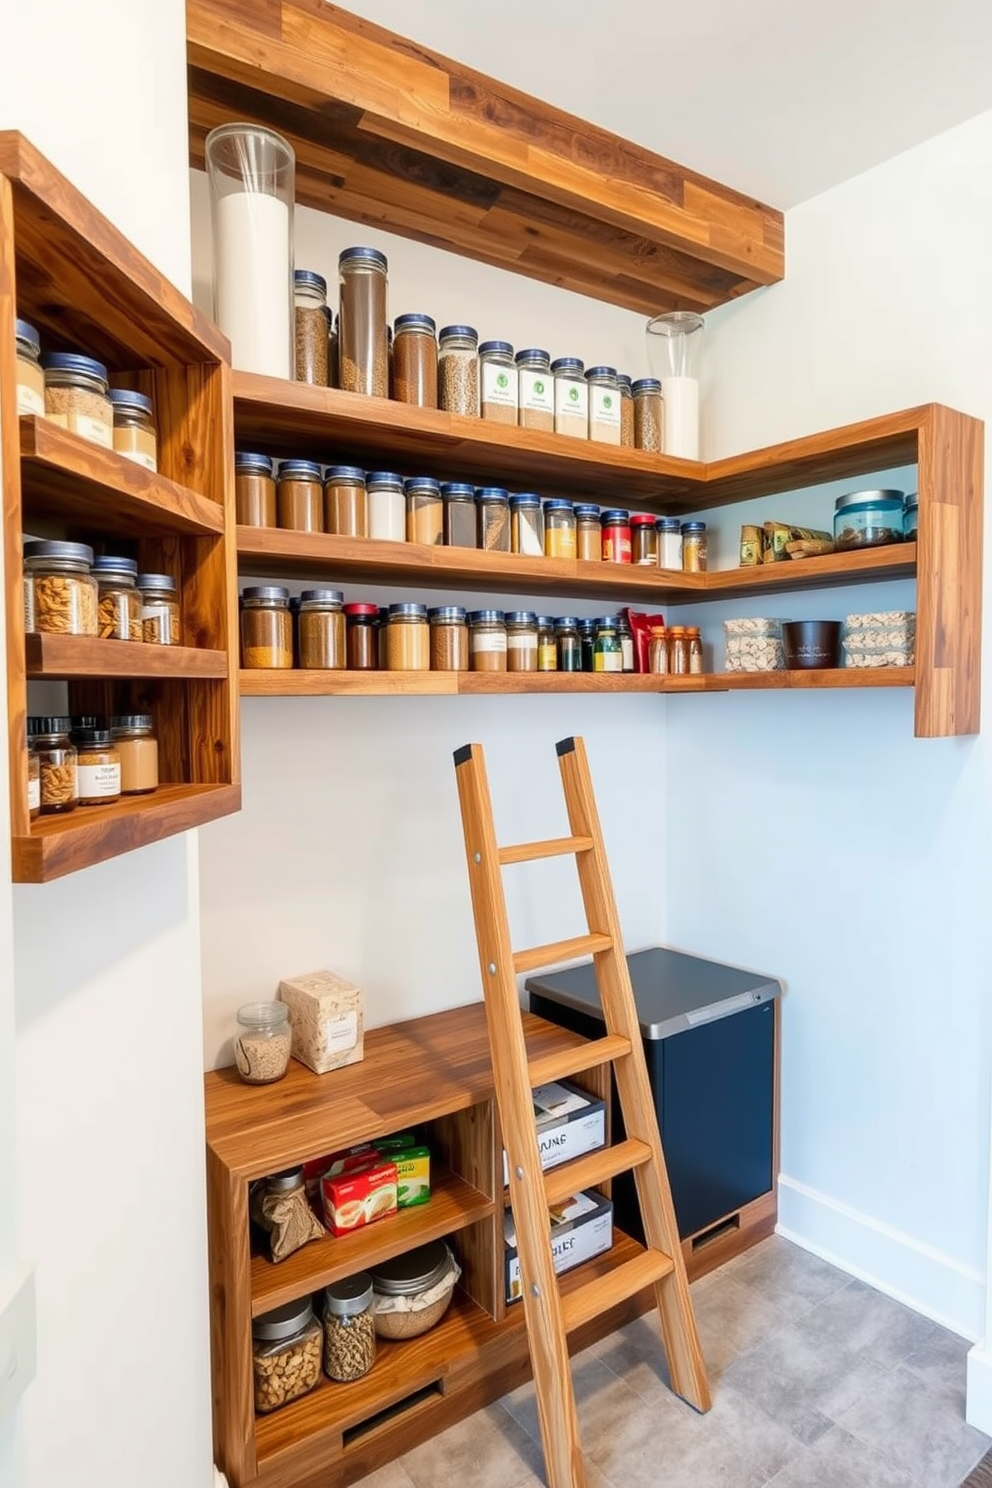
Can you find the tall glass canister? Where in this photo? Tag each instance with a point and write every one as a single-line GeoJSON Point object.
{"type": "Point", "coordinates": [674, 341]}
{"type": "Point", "coordinates": [363, 346]}
{"type": "Point", "coordinates": [252, 191]}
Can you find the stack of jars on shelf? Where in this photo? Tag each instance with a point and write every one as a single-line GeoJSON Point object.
{"type": "Point", "coordinates": [88, 761]}
{"type": "Point", "coordinates": [346, 501]}
{"type": "Point", "coordinates": [358, 351]}
{"type": "Point", "coordinates": [69, 592]}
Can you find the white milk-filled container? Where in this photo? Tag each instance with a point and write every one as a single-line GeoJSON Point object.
{"type": "Point", "coordinates": [252, 191]}
{"type": "Point", "coordinates": [673, 352]}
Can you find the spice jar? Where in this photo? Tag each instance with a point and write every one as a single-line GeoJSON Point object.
{"type": "Point", "coordinates": [63, 597]}
{"type": "Point", "coordinates": [77, 397]}
{"type": "Point", "coordinates": [363, 351]}
{"type": "Point", "coordinates": [118, 601]}
{"type": "Point", "coordinates": [286, 1350]}
{"type": "Point", "coordinates": [868, 519]}
{"type": "Point", "coordinates": [310, 323]}
{"type": "Point", "coordinates": [535, 390]}
{"type": "Point", "coordinates": [56, 756]}
{"type": "Point", "coordinates": [626, 638]}
{"type": "Point", "coordinates": [263, 1042]}
{"type": "Point", "coordinates": [658, 650]}
{"type": "Point", "coordinates": [321, 630]}
{"type": "Point", "coordinates": [408, 646]}
{"type": "Point", "coordinates": [487, 640]}
{"type": "Point", "coordinates": [625, 389]}
{"type": "Point", "coordinates": [134, 427]}
{"type": "Point", "coordinates": [134, 736]}
{"type": "Point", "coordinates": [159, 610]}
{"type": "Point", "coordinates": [449, 639]}
{"type": "Point", "coordinates": [588, 535]}
{"type": "Point", "coordinates": [615, 527]}
{"type": "Point", "coordinates": [424, 510]}
{"type": "Point", "coordinates": [300, 496]}
{"type": "Point", "coordinates": [910, 516]}
{"type": "Point", "coordinates": [695, 650]}
{"type": "Point", "coordinates": [493, 513]}
{"type": "Point", "coordinates": [415, 361]}
{"type": "Point", "coordinates": [571, 398]}
{"type": "Point", "coordinates": [678, 651]}
{"type": "Point", "coordinates": [643, 540]}
{"type": "Point", "coordinates": [547, 645]}
{"type": "Point", "coordinates": [604, 405]}
{"type": "Point", "coordinates": [521, 641]}
{"type": "Point", "coordinates": [498, 382]}
{"type": "Point", "coordinates": [587, 640]}
{"type": "Point", "coordinates": [345, 505]}
{"type": "Point", "coordinates": [386, 505]}
{"type": "Point", "coordinates": [27, 369]}
{"type": "Point", "coordinates": [458, 370]}
{"type": "Point", "coordinates": [694, 547]}
{"type": "Point", "coordinates": [559, 529]}
{"type": "Point", "coordinates": [254, 490]}
{"type": "Point", "coordinates": [266, 627]}
{"type": "Point", "coordinates": [669, 542]}
{"type": "Point", "coordinates": [569, 644]}
{"type": "Point", "coordinates": [98, 767]}
{"type": "Point", "coordinates": [349, 1328]}
{"type": "Point", "coordinates": [361, 637]}
{"type": "Point", "coordinates": [459, 514]}
{"type": "Point", "coordinates": [333, 361]}
{"type": "Point", "coordinates": [526, 525]}
{"type": "Point", "coordinates": [34, 781]}
{"type": "Point", "coordinates": [607, 653]}
{"type": "Point", "coordinates": [649, 414]}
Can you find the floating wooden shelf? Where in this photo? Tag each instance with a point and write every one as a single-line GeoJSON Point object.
{"type": "Point", "coordinates": [832, 677]}
{"type": "Point", "coordinates": [71, 657]}
{"type": "Point", "coordinates": [299, 683]}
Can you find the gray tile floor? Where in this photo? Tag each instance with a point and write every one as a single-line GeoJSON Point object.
{"type": "Point", "coordinates": [818, 1382]}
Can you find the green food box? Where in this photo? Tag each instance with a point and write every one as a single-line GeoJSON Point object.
{"type": "Point", "coordinates": [413, 1174]}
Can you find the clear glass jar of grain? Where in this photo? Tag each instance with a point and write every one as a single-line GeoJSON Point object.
{"type": "Point", "coordinates": [386, 504]}
{"type": "Point", "coordinates": [63, 591]}
{"type": "Point", "coordinates": [321, 630]}
{"type": "Point", "coordinates": [527, 525]}
{"type": "Point", "coordinates": [266, 627]}
{"type": "Point", "coordinates": [134, 427]}
{"type": "Point", "coordinates": [254, 490]}
{"type": "Point", "coordinates": [286, 1353]}
{"type": "Point", "coordinates": [449, 639]}
{"type": "Point", "coordinates": [424, 510]}
{"type": "Point", "coordinates": [300, 496]}
{"type": "Point", "coordinates": [56, 755]}
{"type": "Point", "coordinates": [349, 1328]}
{"type": "Point", "coordinates": [30, 377]}
{"type": "Point", "coordinates": [77, 396]}
{"type": "Point", "coordinates": [262, 1046]}
{"type": "Point", "coordinates": [649, 414]}
{"type": "Point", "coordinates": [363, 346]}
{"type": "Point", "coordinates": [119, 602]}
{"type": "Point", "coordinates": [310, 326]}
{"type": "Point", "coordinates": [492, 506]}
{"type": "Point", "coordinates": [571, 398]}
{"type": "Point", "coordinates": [604, 405]}
{"type": "Point", "coordinates": [159, 610]}
{"type": "Point", "coordinates": [415, 360]}
{"type": "Point", "coordinates": [535, 390]}
{"type": "Point", "coordinates": [459, 514]}
{"type": "Point", "coordinates": [345, 501]}
{"type": "Point", "coordinates": [521, 641]}
{"type": "Point", "coordinates": [694, 547]}
{"type": "Point", "coordinates": [588, 536]}
{"type": "Point", "coordinates": [408, 646]}
{"type": "Point", "coordinates": [626, 391]}
{"type": "Point", "coordinates": [134, 736]}
{"type": "Point", "coordinates": [487, 641]}
{"type": "Point", "coordinates": [458, 370]}
{"type": "Point", "coordinates": [498, 382]}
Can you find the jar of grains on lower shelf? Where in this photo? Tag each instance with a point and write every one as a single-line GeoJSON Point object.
{"type": "Point", "coordinates": [286, 1353]}
{"type": "Point", "coordinates": [415, 361]}
{"type": "Point", "coordinates": [449, 639]}
{"type": "Point", "coordinates": [134, 737]}
{"type": "Point", "coordinates": [322, 630]}
{"type": "Point", "coordinates": [349, 1328]}
{"type": "Point", "coordinates": [487, 641]}
{"type": "Point", "coordinates": [266, 627]}
{"type": "Point", "coordinates": [408, 639]}
{"type": "Point", "coordinates": [159, 610]}
{"type": "Point", "coordinates": [56, 755]}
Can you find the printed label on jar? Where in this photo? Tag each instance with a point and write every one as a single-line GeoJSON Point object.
{"type": "Point", "coordinates": [494, 642]}
{"type": "Point", "coordinates": [616, 547]}
{"type": "Point", "coordinates": [499, 385]}
{"type": "Point", "coordinates": [341, 1032]}
{"type": "Point", "coordinates": [29, 400]}
{"type": "Point", "coordinates": [571, 399]}
{"type": "Point", "coordinates": [139, 457]}
{"type": "Point", "coordinates": [607, 661]}
{"type": "Point", "coordinates": [98, 780]}
{"type": "Point", "coordinates": [547, 657]}
{"type": "Point", "coordinates": [95, 430]}
{"type": "Point", "coordinates": [604, 406]}
{"type": "Point", "coordinates": [28, 604]}
{"type": "Point", "coordinates": [34, 793]}
{"type": "Point", "coordinates": [537, 391]}
{"type": "Point", "coordinates": [520, 642]}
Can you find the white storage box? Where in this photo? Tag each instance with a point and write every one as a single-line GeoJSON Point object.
{"type": "Point", "coordinates": [569, 1122]}
{"type": "Point", "coordinates": [581, 1227]}
{"type": "Point", "coordinates": [327, 1017]}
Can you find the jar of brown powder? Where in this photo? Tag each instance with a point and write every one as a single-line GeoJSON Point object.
{"type": "Point", "coordinates": [408, 639]}
{"type": "Point", "coordinates": [254, 490]}
{"type": "Point", "coordinates": [321, 630]}
{"type": "Point", "coordinates": [415, 361]}
{"type": "Point", "coordinates": [424, 510]}
{"type": "Point", "coordinates": [134, 427]}
{"type": "Point", "coordinates": [134, 736]}
{"type": "Point", "coordinates": [361, 637]}
{"type": "Point", "coordinates": [301, 496]}
{"type": "Point", "coordinates": [362, 342]}
{"type": "Point", "coordinates": [266, 627]}
{"type": "Point", "coordinates": [345, 503]}
{"type": "Point", "coordinates": [449, 639]}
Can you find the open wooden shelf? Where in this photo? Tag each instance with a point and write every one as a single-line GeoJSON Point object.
{"type": "Point", "coordinates": [299, 683]}
{"type": "Point", "coordinates": [832, 677]}
{"type": "Point", "coordinates": [71, 657]}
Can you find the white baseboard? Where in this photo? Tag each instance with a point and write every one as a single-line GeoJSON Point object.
{"type": "Point", "coordinates": [926, 1279]}
{"type": "Point", "coordinates": [979, 1407]}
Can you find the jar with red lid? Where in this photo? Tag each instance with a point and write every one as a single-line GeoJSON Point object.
{"type": "Point", "coordinates": [644, 540]}
{"type": "Point", "coordinates": [361, 637]}
{"type": "Point", "coordinates": [615, 530]}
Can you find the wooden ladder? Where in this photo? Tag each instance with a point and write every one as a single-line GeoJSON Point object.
{"type": "Point", "coordinates": [549, 1316]}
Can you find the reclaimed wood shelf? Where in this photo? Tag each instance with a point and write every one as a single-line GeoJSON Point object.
{"type": "Point", "coordinates": [72, 657]}
{"type": "Point", "coordinates": [830, 677]}
{"type": "Point", "coordinates": [300, 683]}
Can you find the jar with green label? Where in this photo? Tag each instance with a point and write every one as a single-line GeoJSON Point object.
{"type": "Point", "coordinates": [536, 390]}
{"type": "Point", "coordinates": [604, 405]}
{"type": "Point", "coordinates": [498, 382]}
{"type": "Point", "coordinates": [571, 398]}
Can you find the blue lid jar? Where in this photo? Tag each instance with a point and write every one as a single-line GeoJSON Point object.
{"type": "Point", "coordinates": [415, 322]}
{"type": "Point", "coordinates": [408, 612]}
{"type": "Point", "coordinates": [70, 361]}
{"type": "Point", "coordinates": [601, 374]}
{"type": "Point", "coordinates": [486, 494]}
{"type": "Point", "coordinates": [362, 258]}
{"type": "Point", "coordinates": [567, 622]}
{"type": "Point", "coordinates": [668, 524]}
{"type": "Point", "coordinates": [868, 519]}
{"type": "Point", "coordinates": [108, 564]}
{"type": "Point", "coordinates": [251, 464]}
{"type": "Point", "coordinates": [526, 500]}
{"type": "Point", "coordinates": [458, 491]}
{"type": "Point", "coordinates": [534, 357]}
{"type": "Point", "coordinates": [309, 279]}
{"type": "Point", "coordinates": [646, 385]}
{"type": "Point", "coordinates": [496, 348]}
{"type": "Point", "coordinates": [614, 517]}
{"type": "Point", "coordinates": [458, 333]}
{"type": "Point", "coordinates": [556, 504]}
{"type": "Point", "coordinates": [301, 470]}
{"type": "Point", "coordinates": [568, 366]}
{"type": "Point", "coordinates": [521, 617]}
{"type": "Point", "coordinates": [344, 473]}
{"type": "Point", "coordinates": [690, 527]}
{"type": "Point", "coordinates": [485, 617]}
{"type": "Point", "coordinates": [27, 335]}
{"type": "Point", "coordinates": [384, 478]}
{"type": "Point", "coordinates": [422, 485]}
{"type": "Point", "coordinates": [127, 398]}
{"type": "Point", "coordinates": [588, 510]}
{"type": "Point", "coordinates": [451, 613]}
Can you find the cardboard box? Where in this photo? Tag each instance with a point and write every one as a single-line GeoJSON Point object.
{"type": "Point", "coordinates": [581, 1227]}
{"type": "Point", "coordinates": [570, 1122]}
{"type": "Point", "coordinates": [359, 1196]}
{"type": "Point", "coordinates": [327, 1018]}
{"type": "Point", "coordinates": [412, 1161]}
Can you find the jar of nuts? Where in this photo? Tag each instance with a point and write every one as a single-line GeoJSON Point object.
{"type": "Point", "coordinates": [56, 756]}
{"type": "Point", "coordinates": [263, 1042]}
{"type": "Point", "coordinates": [159, 610]}
{"type": "Point", "coordinates": [119, 603]}
{"type": "Point", "coordinates": [286, 1349]}
{"type": "Point", "coordinates": [63, 589]}
{"type": "Point", "coordinates": [349, 1328]}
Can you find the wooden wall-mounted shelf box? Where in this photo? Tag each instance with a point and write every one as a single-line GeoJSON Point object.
{"type": "Point", "coordinates": [71, 274]}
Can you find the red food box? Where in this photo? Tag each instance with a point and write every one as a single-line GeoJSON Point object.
{"type": "Point", "coordinates": [359, 1197]}
{"type": "Point", "coordinates": [335, 1163]}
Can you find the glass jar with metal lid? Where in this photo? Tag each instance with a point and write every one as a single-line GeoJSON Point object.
{"type": "Point", "coordinates": [34, 781]}
{"type": "Point", "coordinates": [310, 326]}
{"type": "Point", "coordinates": [345, 502]}
{"type": "Point", "coordinates": [321, 630]}
{"type": "Point", "coordinates": [98, 767]}
{"type": "Point", "coordinates": [643, 540]}
{"type": "Point", "coordinates": [363, 347]}
{"type": "Point", "coordinates": [910, 516]}
{"type": "Point", "coordinates": [625, 389]}
{"type": "Point", "coordinates": [460, 525]}
{"type": "Point", "coordinates": [349, 1328]}
{"type": "Point", "coordinates": [159, 610]}
{"type": "Point", "coordinates": [30, 377]}
{"type": "Point", "coordinates": [415, 1275]}
{"type": "Point", "coordinates": [386, 503]}
{"type": "Point", "coordinates": [119, 603]}
{"type": "Point", "coordinates": [649, 412]}
{"type": "Point", "coordinates": [588, 535]}
{"type": "Point", "coordinates": [408, 646]}
{"type": "Point", "coordinates": [498, 382]}
{"type": "Point", "coordinates": [527, 525]}
{"type": "Point", "coordinates": [678, 651]}
{"type": "Point", "coordinates": [607, 653]}
{"type": "Point", "coordinates": [626, 638]}
{"type": "Point", "coordinates": [569, 644]}
{"type": "Point", "coordinates": [604, 405]}
{"type": "Point", "coordinates": [521, 640]}
{"type": "Point", "coordinates": [493, 514]}
{"type": "Point", "coordinates": [449, 639]}
{"type": "Point", "coordinates": [571, 398]}
{"type": "Point", "coordinates": [615, 529]}
{"type": "Point", "coordinates": [487, 640]}
{"type": "Point", "coordinates": [415, 361]}
{"type": "Point", "coordinates": [56, 755]}
{"type": "Point", "coordinates": [287, 1344]}
{"type": "Point", "coordinates": [266, 627]}
{"type": "Point", "coordinates": [547, 644]}
{"type": "Point", "coordinates": [587, 639]}
{"type": "Point", "coordinates": [669, 542]}
{"type": "Point", "coordinates": [694, 547]}
{"type": "Point", "coordinates": [868, 519]}
{"type": "Point", "coordinates": [535, 390]}
{"type": "Point", "coordinates": [458, 370]}
{"type": "Point", "coordinates": [63, 591]}
{"type": "Point", "coordinates": [300, 496]}
{"type": "Point", "coordinates": [559, 529]}
{"type": "Point", "coordinates": [134, 736]}
{"type": "Point", "coordinates": [77, 396]}
{"type": "Point", "coordinates": [424, 510]}
{"type": "Point", "coordinates": [134, 427]}
{"type": "Point", "coordinates": [254, 490]}
{"type": "Point", "coordinates": [362, 637]}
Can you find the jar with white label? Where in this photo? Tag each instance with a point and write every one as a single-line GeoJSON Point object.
{"type": "Point", "coordinates": [63, 599]}
{"type": "Point", "coordinates": [77, 396]}
{"type": "Point", "coordinates": [34, 781]}
{"type": "Point", "coordinates": [571, 398]}
{"type": "Point", "coordinates": [30, 377]}
{"type": "Point", "coordinates": [98, 767]}
{"type": "Point", "coordinates": [521, 641]}
{"type": "Point", "coordinates": [134, 427]}
{"type": "Point", "coordinates": [604, 405]}
{"type": "Point", "coordinates": [535, 390]}
{"type": "Point", "coordinates": [159, 610]}
{"type": "Point", "coordinates": [498, 382]}
{"type": "Point", "coordinates": [487, 640]}
{"type": "Point", "coordinates": [386, 506]}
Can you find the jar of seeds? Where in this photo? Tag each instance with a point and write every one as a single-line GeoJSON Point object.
{"type": "Point", "coordinates": [254, 490]}
{"type": "Point", "coordinates": [119, 602]}
{"type": "Point", "coordinates": [458, 370]}
{"type": "Point", "coordinates": [363, 347]}
{"type": "Point", "coordinates": [63, 589]}
{"type": "Point", "coordinates": [625, 389]}
{"type": "Point", "coordinates": [159, 610]}
{"type": "Point", "coordinates": [56, 755]}
{"type": "Point", "coordinates": [648, 414]}
{"type": "Point", "coordinates": [535, 390]}
{"type": "Point", "coordinates": [349, 1328]}
{"type": "Point", "coordinates": [459, 514]}
{"type": "Point", "coordinates": [286, 1350]}
{"type": "Point", "coordinates": [77, 396]}
{"type": "Point", "coordinates": [415, 361]}
{"type": "Point", "coordinates": [263, 1042]}
{"type": "Point", "coordinates": [493, 509]}
{"type": "Point", "coordinates": [449, 639]}
{"type": "Point", "coordinates": [310, 321]}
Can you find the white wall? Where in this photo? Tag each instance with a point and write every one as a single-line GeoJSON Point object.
{"type": "Point", "coordinates": [109, 1091]}
{"type": "Point", "coordinates": [822, 841]}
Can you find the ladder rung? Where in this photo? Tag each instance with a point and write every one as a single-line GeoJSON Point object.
{"type": "Point", "coordinates": [553, 847]}
{"type": "Point", "coordinates": [615, 1286]}
{"type": "Point", "coordinates": [564, 1062]}
{"type": "Point", "coordinates": [560, 950]}
{"type": "Point", "coordinates": [594, 1167]}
